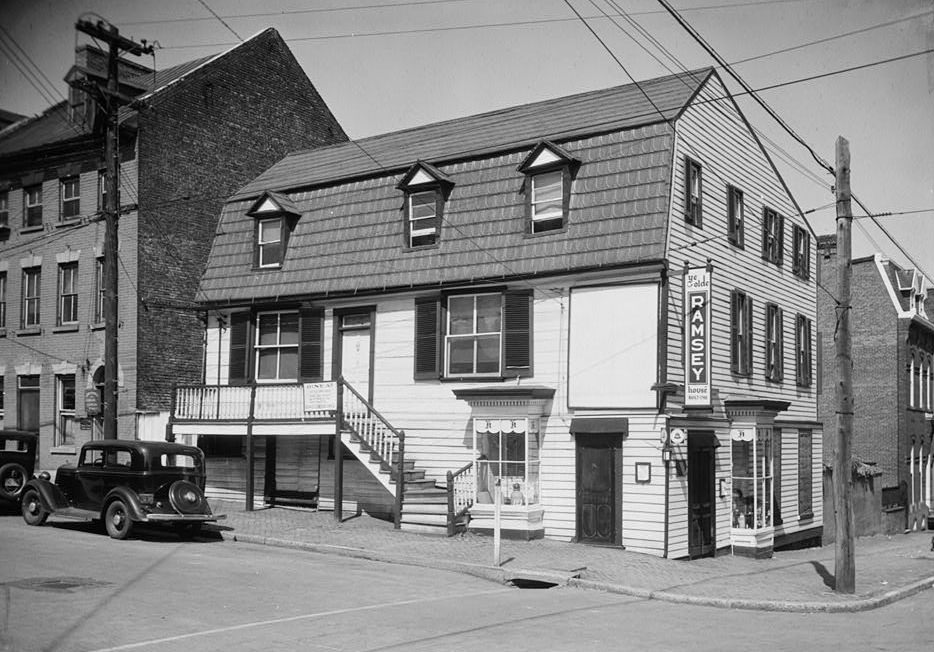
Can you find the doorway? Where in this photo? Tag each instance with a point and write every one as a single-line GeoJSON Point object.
{"type": "Point", "coordinates": [27, 409]}
{"type": "Point", "coordinates": [702, 540]}
{"type": "Point", "coordinates": [599, 489]}
{"type": "Point", "coordinates": [353, 349]}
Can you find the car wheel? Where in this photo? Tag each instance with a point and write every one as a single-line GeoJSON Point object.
{"type": "Point", "coordinates": [33, 513]}
{"type": "Point", "coordinates": [117, 520]}
{"type": "Point", "coordinates": [188, 531]}
{"type": "Point", "coordinates": [12, 480]}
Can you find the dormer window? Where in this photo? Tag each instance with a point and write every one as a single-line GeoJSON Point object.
{"type": "Point", "coordinates": [548, 170]}
{"type": "Point", "coordinates": [426, 188]}
{"type": "Point", "coordinates": [276, 217]}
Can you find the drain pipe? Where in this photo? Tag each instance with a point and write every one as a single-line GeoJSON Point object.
{"type": "Point", "coordinates": [666, 459]}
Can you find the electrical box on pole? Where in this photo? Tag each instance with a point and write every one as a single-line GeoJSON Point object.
{"type": "Point", "coordinates": [111, 100]}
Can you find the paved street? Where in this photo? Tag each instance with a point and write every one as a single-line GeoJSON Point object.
{"type": "Point", "coordinates": [68, 587]}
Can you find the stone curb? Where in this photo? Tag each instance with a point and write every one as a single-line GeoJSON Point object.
{"type": "Point", "coordinates": [503, 575]}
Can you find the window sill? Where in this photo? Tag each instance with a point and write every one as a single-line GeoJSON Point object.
{"type": "Point", "coordinates": [97, 326]}
{"type": "Point", "coordinates": [806, 517]}
{"type": "Point", "coordinates": [542, 234]}
{"type": "Point", "coordinates": [63, 450]}
{"type": "Point", "coordinates": [428, 247]}
{"type": "Point", "coordinates": [31, 229]}
{"type": "Point", "coordinates": [66, 328]}
{"type": "Point", "coordinates": [71, 221]}
{"type": "Point", "coordinates": [472, 379]}
{"type": "Point", "coordinates": [31, 330]}
{"type": "Point", "coordinates": [267, 268]}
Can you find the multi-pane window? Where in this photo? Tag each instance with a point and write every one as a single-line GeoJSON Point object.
{"type": "Point", "coordinates": [423, 219]}
{"type": "Point", "coordinates": [70, 197]}
{"type": "Point", "coordinates": [547, 201]}
{"type": "Point", "coordinates": [32, 279]}
{"type": "Point", "coordinates": [65, 410]}
{"type": "Point", "coordinates": [269, 248]}
{"type": "Point", "coordinates": [801, 250]}
{"type": "Point", "coordinates": [741, 333]}
{"type": "Point", "coordinates": [2, 299]}
{"type": "Point", "coordinates": [5, 208]}
{"type": "Point", "coordinates": [32, 200]}
{"type": "Point", "coordinates": [805, 474]}
{"type": "Point", "coordinates": [736, 215]}
{"type": "Point", "coordinates": [68, 293]}
{"type": "Point", "coordinates": [276, 348]}
{"type": "Point", "coordinates": [473, 335]}
{"type": "Point", "coordinates": [773, 231]}
{"type": "Point", "coordinates": [99, 291]}
{"type": "Point", "coordinates": [803, 349]}
{"type": "Point", "coordinates": [693, 192]}
{"type": "Point", "coordinates": [774, 368]}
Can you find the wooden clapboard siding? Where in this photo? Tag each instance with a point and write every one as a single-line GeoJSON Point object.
{"type": "Point", "coordinates": [298, 463]}
{"type": "Point", "coordinates": [217, 351]}
{"type": "Point", "coordinates": [229, 473]}
{"type": "Point", "coordinates": [714, 134]}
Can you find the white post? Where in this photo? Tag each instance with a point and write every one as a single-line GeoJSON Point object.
{"type": "Point", "coordinates": [497, 509]}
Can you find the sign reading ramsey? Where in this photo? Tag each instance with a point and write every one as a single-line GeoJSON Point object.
{"type": "Point", "coordinates": [697, 337]}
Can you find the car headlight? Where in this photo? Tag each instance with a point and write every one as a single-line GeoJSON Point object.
{"type": "Point", "coordinates": [45, 476]}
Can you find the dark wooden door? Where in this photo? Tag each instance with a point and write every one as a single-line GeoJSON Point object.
{"type": "Point", "coordinates": [598, 499]}
{"type": "Point", "coordinates": [701, 516]}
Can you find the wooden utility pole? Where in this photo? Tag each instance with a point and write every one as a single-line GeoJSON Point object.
{"type": "Point", "coordinates": [845, 562]}
{"type": "Point", "coordinates": [110, 100]}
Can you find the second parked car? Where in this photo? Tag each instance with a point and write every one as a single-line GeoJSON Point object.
{"type": "Point", "coordinates": [124, 483]}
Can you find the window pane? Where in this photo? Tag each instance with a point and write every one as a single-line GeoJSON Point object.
{"type": "Point", "coordinates": [288, 328]}
{"type": "Point", "coordinates": [266, 364]}
{"type": "Point", "coordinates": [268, 329]}
{"type": "Point", "coordinates": [422, 205]}
{"type": "Point", "coordinates": [547, 197]}
{"type": "Point", "coordinates": [68, 393]}
{"type": "Point", "coordinates": [488, 313]}
{"type": "Point", "coordinates": [288, 364]}
{"type": "Point", "coordinates": [460, 315]}
{"type": "Point", "coordinates": [270, 231]}
{"type": "Point", "coordinates": [488, 354]}
{"type": "Point", "coordinates": [460, 356]}
{"type": "Point", "coordinates": [270, 254]}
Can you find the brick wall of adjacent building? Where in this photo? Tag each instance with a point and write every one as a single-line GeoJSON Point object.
{"type": "Point", "coordinates": [875, 353]}
{"type": "Point", "coordinates": [204, 137]}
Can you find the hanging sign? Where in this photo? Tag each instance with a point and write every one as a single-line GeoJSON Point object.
{"type": "Point", "coordinates": [697, 337]}
{"type": "Point", "coordinates": [320, 397]}
{"type": "Point", "coordinates": [92, 403]}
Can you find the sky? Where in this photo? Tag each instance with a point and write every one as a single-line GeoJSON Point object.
{"type": "Point", "coordinates": [385, 65]}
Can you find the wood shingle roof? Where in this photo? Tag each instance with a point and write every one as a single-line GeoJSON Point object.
{"type": "Point", "coordinates": [350, 237]}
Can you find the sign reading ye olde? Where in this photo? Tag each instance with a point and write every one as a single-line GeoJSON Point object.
{"type": "Point", "coordinates": [697, 337]}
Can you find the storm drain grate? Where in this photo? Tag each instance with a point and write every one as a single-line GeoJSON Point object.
{"type": "Point", "coordinates": [58, 584]}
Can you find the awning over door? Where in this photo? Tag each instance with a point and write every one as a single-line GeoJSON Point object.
{"type": "Point", "coordinates": [600, 426]}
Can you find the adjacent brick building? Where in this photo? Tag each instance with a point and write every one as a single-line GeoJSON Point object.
{"type": "Point", "coordinates": [893, 370]}
{"type": "Point", "coordinates": [195, 134]}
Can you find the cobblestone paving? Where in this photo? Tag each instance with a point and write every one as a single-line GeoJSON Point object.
{"type": "Point", "coordinates": [895, 565]}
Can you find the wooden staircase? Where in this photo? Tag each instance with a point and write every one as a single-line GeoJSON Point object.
{"type": "Point", "coordinates": [375, 443]}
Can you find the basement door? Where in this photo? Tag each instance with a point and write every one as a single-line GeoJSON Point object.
{"type": "Point", "coordinates": [599, 490]}
{"type": "Point", "coordinates": [354, 349]}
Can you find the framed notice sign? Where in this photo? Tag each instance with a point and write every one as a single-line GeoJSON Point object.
{"type": "Point", "coordinates": [697, 337]}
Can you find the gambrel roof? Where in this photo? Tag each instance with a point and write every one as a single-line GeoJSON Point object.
{"type": "Point", "coordinates": [349, 238]}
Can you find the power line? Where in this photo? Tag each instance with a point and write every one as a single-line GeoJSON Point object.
{"type": "Point", "coordinates": [222, 21]}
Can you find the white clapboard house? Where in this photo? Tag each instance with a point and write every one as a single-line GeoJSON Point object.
{"type": "Point", "coordinates": [594, 311]}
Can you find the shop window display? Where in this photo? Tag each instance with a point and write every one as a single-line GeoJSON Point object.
{"type": "Point", "coordinates": [752, 478]}
{"type": "Point", "coordinates": [508, 452]}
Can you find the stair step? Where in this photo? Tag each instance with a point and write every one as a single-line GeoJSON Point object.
{"type": "Point", "coordinates": [440, 520]}
{"type": "Point", "coordinates": [425, 529]}
{"type": "Point", "coordinates": [424, 508]}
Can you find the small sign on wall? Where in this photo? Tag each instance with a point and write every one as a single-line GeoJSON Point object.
{"type": "Point", "coordinates": [643, 472]}
{"type": "Point", "coordinates": [697, 337]}
{"type": "Point", "coordinates": [320, 397]}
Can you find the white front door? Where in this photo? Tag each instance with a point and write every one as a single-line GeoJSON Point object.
{"type": "Point", "coordinates": [356, 344]}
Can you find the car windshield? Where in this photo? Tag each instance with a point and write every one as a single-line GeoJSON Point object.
{"type": "Point", "coordinates": [177, 461]}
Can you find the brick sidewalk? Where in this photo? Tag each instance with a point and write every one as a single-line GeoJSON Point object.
{"type": "Point", "coordinates": [888, 568]}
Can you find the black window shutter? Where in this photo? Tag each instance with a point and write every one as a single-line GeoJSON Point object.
{"type": "Point", "coordinates": [427, 338]}
{"type": "Point", "coordinates": [747, 351]}
{"type": "Point", "coordinates": [312, 344]}
{"type": "Point", "coordinates": [781, 239]}
{"type": "Point", "coordinates": [517, 334]}
{"type": "Point", "coordinates": [736, 349]}
{"type": "Point", "coordinates": [239, 373]}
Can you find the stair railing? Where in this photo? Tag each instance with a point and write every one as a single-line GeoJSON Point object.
{"type": "Point", "coordinates": [379, 438]}
{"type": "Point", "coordinates": [462, 487]}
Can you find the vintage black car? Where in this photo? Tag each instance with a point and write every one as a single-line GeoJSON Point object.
{"type": "Point", "coordinates": [17, 462]}
{"type": "Point", "coordinates": [123, 483]}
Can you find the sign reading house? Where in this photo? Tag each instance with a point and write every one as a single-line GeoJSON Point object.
{"type": "Point", "coordinates": [697, 337]}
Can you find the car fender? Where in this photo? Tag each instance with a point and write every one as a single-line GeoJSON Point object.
{"type": "Point", "coordinates": [129, 498]}
{"type": "Point", "coordinates": [49, 493]}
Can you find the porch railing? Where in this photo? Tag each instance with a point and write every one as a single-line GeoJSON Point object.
{"type": "Point", "coordinates": [462, 488]}
{"type": "Point", "coordinates": [287, 401]}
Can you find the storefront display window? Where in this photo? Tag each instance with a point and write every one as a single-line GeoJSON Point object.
{"type": "Point", "coordinates": [752, 477]}
{"type": "Point", "coordinates": [506, 451]}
